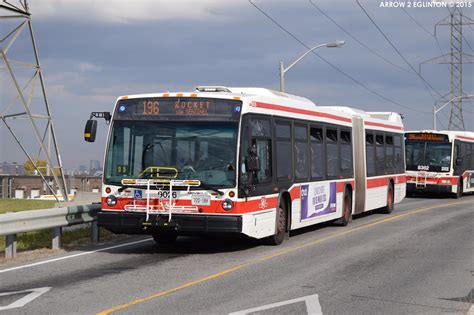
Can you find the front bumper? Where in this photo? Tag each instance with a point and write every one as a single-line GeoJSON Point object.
{"type": "Point", "coordinates": [429, 188]}
{"type": "Point", "coordinates": [121, 222]}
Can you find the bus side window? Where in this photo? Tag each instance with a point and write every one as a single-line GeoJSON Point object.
{"type": "Point", "coordinates": [332, 156]}
{"type": "Point", "coordinates": [283, 149]}
{"type": "Point", "coordinates": [399, 161]}
{"type": "Point", "coordinates": [317, 153]}
{"type": "Point", "coordinates": [369, 147]}
{"type": "Point", "coordinates": [301, 152]}
{"type": "Point", "coordinates": [346, 153]}
{"type": "Point", "coordinates": [389, 154]}
{"type": "Point", "coordinates": [379, 155]}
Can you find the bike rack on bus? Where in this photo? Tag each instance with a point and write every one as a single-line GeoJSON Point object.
{"type": "Point", "coordinates": [419, 175]}
{"type": "Point", "coordinates": [162, 182]}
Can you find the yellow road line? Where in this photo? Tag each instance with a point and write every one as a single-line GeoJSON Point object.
{"type": "Point", "coordinates": [277, 254]}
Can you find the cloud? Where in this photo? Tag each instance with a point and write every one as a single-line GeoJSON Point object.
{"type": "Point", "coordinates": [88, 67]}
{"type": "Point", "coordinates": [124, 11]}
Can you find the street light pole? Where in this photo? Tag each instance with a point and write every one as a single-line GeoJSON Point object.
{"type": "Point", "coordinates": [336, 44]}
{"type": "Point", "coordinates": [436, 110]}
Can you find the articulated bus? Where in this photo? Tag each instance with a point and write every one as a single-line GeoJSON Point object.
{"type": "Point", "coordinates": [247, 161]}
{"type": "Point", "coordinates": [440, 161]}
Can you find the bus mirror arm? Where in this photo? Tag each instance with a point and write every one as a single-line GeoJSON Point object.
{"type": "Point", "coordinates": [106, 115]}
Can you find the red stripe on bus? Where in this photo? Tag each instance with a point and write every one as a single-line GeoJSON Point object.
{"type": "Point", "coordinates": [465, 138]}
{"type": "Point", "coordinates": [340, 186]}
{"type": "Point", "coordinates": [295, 192]}
{"type": "Point", "coordinates": [302, 111]}
{"type": "Point", "coordinates": [453, 180]}
{"type": "Point", "coordinates": [383, 181]}
{"type": "Point", "coordinates": [377, 182]}
{"type": "Point", "coordinates": [369, 123]}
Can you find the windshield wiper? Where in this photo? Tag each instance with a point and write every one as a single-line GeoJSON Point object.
{"type": "Point", "coordinates": [206, 186]}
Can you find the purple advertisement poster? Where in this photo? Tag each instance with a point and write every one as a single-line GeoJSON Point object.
{"type": "Point", "coordinates": [317, 199]}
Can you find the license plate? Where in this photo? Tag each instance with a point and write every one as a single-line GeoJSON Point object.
{"type": "Point", "coordinates": [201, 200]}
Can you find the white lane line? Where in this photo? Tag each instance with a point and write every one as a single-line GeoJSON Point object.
{"type": "Point", "coordinates": [312, 306]}
{"type": "Point", "coordinates": [24, 300]}
{"type": "Point", "coordinates": [74, 255]}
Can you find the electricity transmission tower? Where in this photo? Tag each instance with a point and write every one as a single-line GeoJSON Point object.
{"type": "Point", "coordinates": [455, 58]}
{"type": "Point", "coordinates": [20, 75]}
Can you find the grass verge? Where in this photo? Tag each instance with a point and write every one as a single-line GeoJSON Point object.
{"type": "Point", "coordinates": [14, 205]}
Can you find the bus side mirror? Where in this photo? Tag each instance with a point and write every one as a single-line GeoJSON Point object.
{"type": "Point", "coordinates": [458, 161]}
{"type": "Point", "coordinates": [90, 130]}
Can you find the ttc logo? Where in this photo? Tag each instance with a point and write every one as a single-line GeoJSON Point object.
{"type": "Point", "coordinates": [263, 203]}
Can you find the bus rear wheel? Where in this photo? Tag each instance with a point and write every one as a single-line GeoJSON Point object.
{"type": "Point", "coordinates": [280, 228]}
{"type": "Point", "coordinates": [389, 207]}
{"type": "Point", "coordinates": [165, 239]}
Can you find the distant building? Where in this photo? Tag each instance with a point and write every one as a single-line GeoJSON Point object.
{"type": "Point", "coordinates": [94, 167]}
{"type": "Point", "coordinates": [81, 170]}
{"type": "Point", "coordinates": [12, 168]}
{"type": "Point", "coordinates": [24, 187]}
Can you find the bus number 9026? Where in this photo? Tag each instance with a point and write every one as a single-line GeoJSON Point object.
{"type": "Point", "coordinates": [166, 195]}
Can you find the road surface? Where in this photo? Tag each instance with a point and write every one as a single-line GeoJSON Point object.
{"type": "Point", "coordinates": [419, 259]}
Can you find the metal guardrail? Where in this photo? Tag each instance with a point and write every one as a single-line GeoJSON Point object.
{"type": "Point", "coordinates": [12, 223]}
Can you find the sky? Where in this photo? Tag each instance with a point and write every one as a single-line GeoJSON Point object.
{"type": "Point", "coordinates": [91, 52]}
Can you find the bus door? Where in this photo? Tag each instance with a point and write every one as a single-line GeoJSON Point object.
{"type": "Point", "coordinates": [256, 146]}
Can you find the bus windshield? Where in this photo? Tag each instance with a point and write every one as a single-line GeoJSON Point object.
{"type": "Point", "coordinates": [204, 151]}
{"type": "Point", "coordinates": [428, 156]}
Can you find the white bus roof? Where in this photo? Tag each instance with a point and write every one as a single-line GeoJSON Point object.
{"type": "Point", "coordinates": [270, 100]}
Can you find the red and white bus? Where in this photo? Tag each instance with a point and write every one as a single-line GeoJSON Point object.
{"type": "Point", "coordinates": [244, 160]}
{"type": "Point", "coordinates": [440, 161]}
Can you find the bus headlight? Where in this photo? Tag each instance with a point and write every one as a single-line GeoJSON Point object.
{"type": "Point", "coordinates": [111, 200]}
{"type": "Point", "coordinates": [227, 204]}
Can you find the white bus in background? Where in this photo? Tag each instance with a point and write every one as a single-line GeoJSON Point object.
{"type": "Point", "coordinates": [440, 161]}
{"type": "Point", "coordinates": [244, 160]}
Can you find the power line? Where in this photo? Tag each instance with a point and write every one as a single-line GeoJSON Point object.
{"type": "Point", "coordinates": [356, 39]}
{"type": "Point", "coordinates": [426, 83]}
{"type": "Point", "coordinates": [424, 29]}
{"type": "Point", "coordinates": [332, 65]}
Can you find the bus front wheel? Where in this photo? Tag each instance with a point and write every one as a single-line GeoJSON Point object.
{"type": "Point", "coordinates": [459, 191]}
{"type": "Point", "coordinates": [280, 228]}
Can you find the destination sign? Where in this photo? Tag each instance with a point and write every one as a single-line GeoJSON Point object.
{"type": "Point", "coordinates": [174, 108]}
{"type": "Point", "coordinates": [427, 137]}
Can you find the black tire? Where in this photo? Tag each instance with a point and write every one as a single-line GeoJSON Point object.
{"type": "Point", "coordinates": [459, 191]}
{"type": "Point", "coordinates": [281, 225]}
{"type": "Point", "coordinates": [390, 197]}
{"type": "Point", "coordinates": [165, 239]}
{"type": "Point", "coordinates": [346, 209]}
